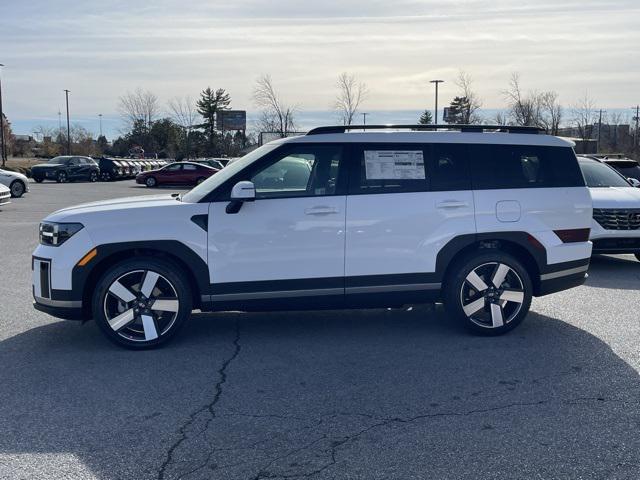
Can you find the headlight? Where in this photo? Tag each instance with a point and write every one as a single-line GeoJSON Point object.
{"type": "Point", "coordinates": [55, 234]}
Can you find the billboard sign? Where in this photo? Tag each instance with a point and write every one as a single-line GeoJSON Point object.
{"type": "Point", "coordinates": [231, 119]}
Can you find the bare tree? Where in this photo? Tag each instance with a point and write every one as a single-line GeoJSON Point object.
{"type": "Point", "coordinates": [501, 118]}
{"type": "Point", "coordinates": [469, 115]}
{"type": "Point", "coordinates": [139, 106]}
{"type": "Point", "coordinates": [524, 108]}
{"type": "Point", "coordinates": [351, 94]}
{"type": "Point", "coordinates": [276, 116]}
{"type": "Point", "coordinates": [584, 116]}
{"type": "Point", "coordinates": [551, 112]}
{"type": "Point", "coordinates": [184, 113]}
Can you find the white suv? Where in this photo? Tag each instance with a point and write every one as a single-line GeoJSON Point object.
{"type": "Point", "coordinates": [342, 217]}
{"type": "Point", "coordinates": [616, 209]}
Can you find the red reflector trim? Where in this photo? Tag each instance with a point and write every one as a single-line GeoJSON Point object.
{"type": "Point", "coordinates": [574, 235]}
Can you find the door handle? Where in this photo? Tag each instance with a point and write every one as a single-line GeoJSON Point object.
{"type": "Point", "coordinates": [451, 204]}
{"type": "Point", "coordinates": [320, 210]}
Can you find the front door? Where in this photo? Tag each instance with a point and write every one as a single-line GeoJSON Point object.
{"type": "Point", "coordinates": [289, 243]}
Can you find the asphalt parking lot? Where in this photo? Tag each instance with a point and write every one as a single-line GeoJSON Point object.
{"type": "Point", "coordinates": [375, 394]}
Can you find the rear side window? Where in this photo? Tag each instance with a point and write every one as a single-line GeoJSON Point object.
{"type": "Point", "coordinates": [389, 168]}
{"type": "Point", "coordinates": [447, 167]}
{"type": "Point", "coordinates": [521, 166]}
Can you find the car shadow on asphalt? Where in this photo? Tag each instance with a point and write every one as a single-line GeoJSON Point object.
{"type": "Point", "coordinates": [614, 272]}
{"type": "Point", "coordinates": [281, 380]}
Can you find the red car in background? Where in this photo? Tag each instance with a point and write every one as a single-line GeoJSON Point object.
{"type": "Point", "coordinates": [178, 173]}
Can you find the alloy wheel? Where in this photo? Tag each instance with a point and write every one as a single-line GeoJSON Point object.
{"type": "Point", "coordinates": [93, 177]}
{"type": "Point", "coordinates": [141, 305]}
{"type": "Point", "coordinates": [62, 177]}
{"type": "Point", "coordinates": [492, 295]}
{"type": "Point", "coordinates": [17, 189]}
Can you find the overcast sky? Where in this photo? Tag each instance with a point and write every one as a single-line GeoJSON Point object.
{"type": "Point", "coordinates": [99, 50]}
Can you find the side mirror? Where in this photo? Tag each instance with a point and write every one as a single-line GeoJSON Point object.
{"type": "Point", "coordinates": [634, 182]}
{"type": "Point", "coordinates": [241, 192]}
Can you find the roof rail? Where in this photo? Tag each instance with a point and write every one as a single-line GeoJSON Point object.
{"type": "Point", "coordinates": [420, 127]}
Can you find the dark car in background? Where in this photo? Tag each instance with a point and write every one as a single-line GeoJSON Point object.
{"type": "Point", "coordinates": [212, 162]}
{"type": "Point", "coordinates": [67, 168]}
{"type": "Point", "coordinates": [628, 167]}
{"type": "Point", "coordinates": [178, 173]}
{"type": "Point", "coordinates": [111, 169]}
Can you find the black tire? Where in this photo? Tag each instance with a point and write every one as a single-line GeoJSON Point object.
{"type": "Point", "coordinates": [495, 314]}
{"type": "Point", "coordinates": [17, 188]}
{"type": "Point", "coordinates": [93, 176]}
{"type": "Point", "coordinates": [62, 177]}
{"type": "Point", "coordinates": [165, 325]}
{"type": "Point", "coordinates": [151, 182]}
{"type": "Point", "coordinates": [200, 180]}
{"type": "Point", "coordinates": [38, 180]}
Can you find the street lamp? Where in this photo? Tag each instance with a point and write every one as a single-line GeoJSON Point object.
{"type": "Point", "coordinates": [437, 82]}
{"type": "Point", "coordinates": [66, 93]}
{"type": "Point", "coordinates": [364, 118]}
{"type": "Point", "coordinates": [100, 115]}
{"type": "Point", "coordinates": [3, 149]}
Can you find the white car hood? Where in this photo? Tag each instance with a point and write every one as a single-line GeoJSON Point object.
{"type": "Point", "coordinates": [615, 197]}
{"type": "Point", "coordinates": [12, 175]}
{"type": "Point", "coordinates": [142, 201]}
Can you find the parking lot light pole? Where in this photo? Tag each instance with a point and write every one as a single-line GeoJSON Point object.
{"type": "Point", "coordinates": [100, 116]}
{"type": "Point", "coordinates": [637, 119]}
{"type": "Point", "coordinates": [437, 82]}
{"type": "Point", "coordinates": [3, 148]}
{"type": "Point", "coordinates": [66, 93]}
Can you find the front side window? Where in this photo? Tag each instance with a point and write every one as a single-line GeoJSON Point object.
{"type": "Point", "coordinates": [173, 168]}
{"type": "Point", "coordinates": [599, 175]}
{"type": "Point", "coordinates": [303, 171]}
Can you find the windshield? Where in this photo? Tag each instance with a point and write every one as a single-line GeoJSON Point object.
{"type": "Point", "coordinates": [201, 191]}
{"type": "Point", "coordinates": [59, 160]}
{"type": "Point", "coordinates": [628, 169]}
{"type": "Point", "coordinates": [598, 175]}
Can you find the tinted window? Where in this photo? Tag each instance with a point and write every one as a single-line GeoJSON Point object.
{"type": "Point", "coordinates": [597, 175]}
{"type": "Point", "coordinates": [389, 168]}
{"type": "Point", "coordinates": [447, 167]}
{"type": "Point", "coordinates": [173, 168]}
{"type": "Point", "coordinates": [516, 166]}
{"type": "Point", "coordinates": [189, 167]}
{"type": "Point", "coordinates": [302, 171]}
{"type": "Point", "coordinates": [628, 169]}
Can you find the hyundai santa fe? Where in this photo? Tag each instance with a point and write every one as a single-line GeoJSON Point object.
{"type": "Point", "coordinates": [479, 218]}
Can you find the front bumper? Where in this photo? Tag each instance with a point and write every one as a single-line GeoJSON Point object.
{"type": "Point", "coordinates": [58, 303]}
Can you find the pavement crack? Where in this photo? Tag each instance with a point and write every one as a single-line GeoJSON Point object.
{"type": "Point", "coordinates": [209, 407]}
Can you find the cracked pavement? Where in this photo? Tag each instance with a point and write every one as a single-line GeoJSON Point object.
{"type": "Point", "coordinates": [374, 394]}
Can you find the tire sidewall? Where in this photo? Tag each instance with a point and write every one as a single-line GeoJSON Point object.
{"type": "Point", "coordinates": [170, 271]}
{"type": "Point", "coordinates": [17, 182]}
{"type": "Point", "coordinates": [457, 276]}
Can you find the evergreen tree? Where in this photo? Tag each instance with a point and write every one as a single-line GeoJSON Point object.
{"type": "Point", "coordinates": [426, 118]}
{"type": "Point", "coordinates": [208, 105]}
{"type": "Point", "coordinates": [459, 111]}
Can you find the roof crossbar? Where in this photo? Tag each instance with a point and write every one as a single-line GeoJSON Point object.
{"type": "Point", "coordinates": [461, 128]}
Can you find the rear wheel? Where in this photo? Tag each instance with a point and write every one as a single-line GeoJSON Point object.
{"type": "Point", "coordinates": [38, 180]}
{"type": "Point", "coordinates": [62, 177]}
{"type": "Point", "coordinates": [490, 293]}
{"type": "Point", "coordinates": [17, 188]}
{"type": "Point", "coordinates": [142, 303]}
{"type": "Point", "coordinates": [151, 182]}
{"type": "Point", "coordinates": [200, 180]}
{"type": "Point", "coordinates": [105, 176]}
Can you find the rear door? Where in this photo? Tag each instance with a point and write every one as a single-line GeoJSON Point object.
{"type": "Point", "coordinates": [405, 203]}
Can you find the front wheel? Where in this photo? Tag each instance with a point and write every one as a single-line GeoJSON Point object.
{"type": "Point", "coordinates": [62, 177]}
{"type": "Point", "coordinates": [200, 180]}
{"type": "Point", "coordinates": [93, 176]}
{"type": "Point", "coordinates": [151, 182]}
{"type": "Point", "coordinates": [142, 303]}
{"type": "Point", "coordinates": [490, 293]}
{"type": "Point", "coordinates": [17, 189]}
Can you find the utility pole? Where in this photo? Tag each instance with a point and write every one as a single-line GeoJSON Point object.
{"type": "Point", "coordinates": [364, 118]}
{"type": "Point", "coordinates": [599, 130]}
{"type": "Point", "coordinates": [3, 150]}
{"type": "Point", "coordinates": [66, 92]}
{"type": "Point", "coordinates": [437, 82]}
{"type": "Point", "coordinates": [635, 136]}
{"type": "Point", "coordinates": [100, 115]}
{"type": "Point", "coordinates": [59, 122]}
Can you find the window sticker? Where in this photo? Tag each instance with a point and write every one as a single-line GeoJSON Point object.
{"type": "Point", "coordinates": [394, 164]}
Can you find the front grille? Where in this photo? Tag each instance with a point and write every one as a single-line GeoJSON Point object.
{"type": "Point", "coordinates": [5, 197]}
{"type": "Point", "coordinates": [617, 218]}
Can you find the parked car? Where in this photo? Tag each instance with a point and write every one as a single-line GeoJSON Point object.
{"type": "Point", "coordinates": [18, 183]}
{"type": "Point", "coordinates": [616, 209]}
{"type": "Point", "coordinates": [178, 173]}
{"type": "Point", "coordinates": [212, 162]}
{"type": "Point", "coordinates": [482, 221]}
{"type": "Point", "coordinates": [66, 168]}
{"type": "Point", "coordinates": [5, 195]}
{"type": "Point", "coordinates": [111, 169]}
